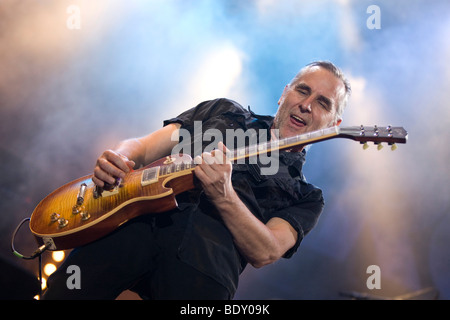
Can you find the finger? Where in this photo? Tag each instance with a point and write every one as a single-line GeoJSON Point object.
{"type": "Point", "coordinates": [226, 153]}
{"type": "Point", "coordinates": [220, 157]}
{"type": "Point", "coordinates": [223, 148]}
{"type": "Point", "coordinates": [205, 162]}
{"type": "Point", "coordinates": [97, 181]}
{"type": "Point", "coordinates": [119, 160]}
{"type": "Point", "coordinates": [208, 158]}
{"type": "Point", "coordinates": [198, 160]}
{"type": "Point", "coordinates": [201, 175]}
{"type": "Point", "coordinates": [130, 164]}
{"type": "Point", "coordinates": [102, 176]}
{"type": "Point", "coordinates": [109, 168]}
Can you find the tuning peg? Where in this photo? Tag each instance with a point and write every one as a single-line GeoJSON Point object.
{"type": "Point", "coordinates": [365, 146]}
{"type": "Point", "coordinates": [380, 146]}
{"type": "Point", "coordinates": [394, 147]}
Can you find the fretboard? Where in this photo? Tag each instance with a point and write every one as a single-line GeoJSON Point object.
{"type": "Point", "coordinates": [362, 134]}
{"type": "Point", "coordinates": [285, 143]}
{"type": "Point", "coordinates": [251, 151]}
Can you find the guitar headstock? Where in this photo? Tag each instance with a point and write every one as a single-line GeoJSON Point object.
{"type": "Point", "coordinates": [376, 134]}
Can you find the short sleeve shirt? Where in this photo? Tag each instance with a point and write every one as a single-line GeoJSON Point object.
{"type": "Point", "coordinates": [286, 194]}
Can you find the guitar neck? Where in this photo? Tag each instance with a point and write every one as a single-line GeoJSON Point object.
{"type": "Point", "coordinates": [285, 143]}
{"type": "Point", "coordinates": [375, 134]}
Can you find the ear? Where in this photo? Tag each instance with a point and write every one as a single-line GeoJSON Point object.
{"type": "Point", "coordinates": [283, 94]}
{"type": "Point", "coordinates": [338, 122]}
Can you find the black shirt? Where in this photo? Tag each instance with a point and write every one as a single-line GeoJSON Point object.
{"type": "Point", "coordinates": [207, 244]}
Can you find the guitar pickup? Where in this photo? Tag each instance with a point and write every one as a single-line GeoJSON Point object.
{"type": "Point", "coordinates": [150, 176]}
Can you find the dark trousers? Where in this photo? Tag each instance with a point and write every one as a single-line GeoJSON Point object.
{"type": "Point", "coordinates": [140, 256]}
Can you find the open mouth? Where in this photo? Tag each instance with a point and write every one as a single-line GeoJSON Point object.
{"type": "Point", "coordinates": [298, 121]}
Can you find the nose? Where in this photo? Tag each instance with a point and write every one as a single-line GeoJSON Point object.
{"type": "Point", "coordinates": [305, 105]}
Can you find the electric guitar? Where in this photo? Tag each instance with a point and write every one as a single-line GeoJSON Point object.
{"type": "Point", "coordinates": [80, 212]}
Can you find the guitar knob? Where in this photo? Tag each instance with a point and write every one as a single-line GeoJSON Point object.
{"type": "Point", "coordinates": [365, 146]}
{"type": "Point", "coordinates": [54, 217]}
{"type": "Point", "coordinates": [394, 147]}
{"type": "Point", "coordinates": [76, 209]}
{"type": "Point", "coordinates": [84, 215]}
{"type": "Point", "coordinates": [62, 222]}
{"type": "Point", "coordinates": [380, 146]}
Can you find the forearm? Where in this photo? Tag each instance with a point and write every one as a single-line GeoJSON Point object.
{"type": "Point", "coordinates": [260, 244]}
{"type": "Point", "coordinates": [133, 149]}
{"type": "Point", "coordinates": [154, 146]}
{"type": "Point", "coordinates": [134, 153]}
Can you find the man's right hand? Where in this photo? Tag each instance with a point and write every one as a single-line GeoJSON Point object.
{"type": "Point", "coordinates": [110, 166]}
{"type": "Point", "coordinates": [114, 164]}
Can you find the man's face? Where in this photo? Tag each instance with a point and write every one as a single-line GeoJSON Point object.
{"type": "Point", "coordinates": [310, 103]}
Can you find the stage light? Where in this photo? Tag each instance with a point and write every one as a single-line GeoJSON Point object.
{"type": "Point", "coordinates": [49, 268]}
{"type": "Point", "coordinates": [218, 73]}
{"type": "Point", "coordinates": [44, 283]}
{"type": "Point", "coordinates": [58, 256]}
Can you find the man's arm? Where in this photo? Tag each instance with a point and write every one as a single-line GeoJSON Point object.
{"type": "Point", "coordinates": [135, 152]}
{"type": "Point", "coordinates": [260, 243]}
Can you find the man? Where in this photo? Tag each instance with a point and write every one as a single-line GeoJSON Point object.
{"type": "Point", "coordinates": [237, 215]}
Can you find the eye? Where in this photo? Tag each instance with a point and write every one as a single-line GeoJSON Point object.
{"type": "Point", "coordinates": [325, 104]}
{"type": "Point", "coordinates": [302, 89]}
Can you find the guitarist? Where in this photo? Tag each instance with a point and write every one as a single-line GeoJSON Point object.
{"type": "Point", "coordinates": [236, 216]}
